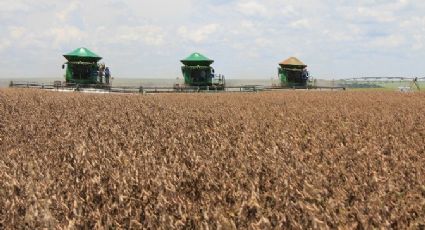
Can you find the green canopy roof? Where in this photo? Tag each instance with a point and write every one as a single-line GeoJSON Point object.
{"type": "Point", "coordinates": [83, 55]}
{"type": "Point", "coordinates": [197, 59]}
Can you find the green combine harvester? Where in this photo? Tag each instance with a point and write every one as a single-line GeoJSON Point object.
{"type": "Point", "coordinates": [197, 72]}
{"type": "Point", "coordinates": [83, 69]}
{"type": "Point", "coordinates": [293, 73]}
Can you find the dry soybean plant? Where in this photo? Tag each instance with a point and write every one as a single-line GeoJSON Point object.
{"type": "Point", "coordinates": [207, 161]}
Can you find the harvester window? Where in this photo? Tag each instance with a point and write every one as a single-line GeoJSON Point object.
{"type": "Point", "coordinates": [199, 75]}
{"type": "Point", "coordinates": [295, 76]}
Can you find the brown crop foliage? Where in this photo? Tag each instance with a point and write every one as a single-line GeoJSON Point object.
{"type": "Point", "coordinates": [207, 161]}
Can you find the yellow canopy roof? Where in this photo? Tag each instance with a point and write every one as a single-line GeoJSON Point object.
{"type": "Point", "coordinates": [293, 61]}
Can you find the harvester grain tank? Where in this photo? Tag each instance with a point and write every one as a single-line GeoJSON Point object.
{"type": "Point", "coordinates": [83, 68]}
{"type": "Point", "coordinates": [197, 72]}
{"type": "Point", "coordinates": [293, 73]}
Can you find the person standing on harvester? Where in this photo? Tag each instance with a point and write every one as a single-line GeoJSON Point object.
{"type": "Point", "coordinates": [107, 75]}
{"type": "Point", "coordinates": [101, 72]}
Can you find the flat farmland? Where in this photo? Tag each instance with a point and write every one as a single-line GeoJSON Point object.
{"type": "Point", "coordinates": [278, 160]}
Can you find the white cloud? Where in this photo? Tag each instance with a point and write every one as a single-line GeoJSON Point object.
{"type": "Point", "coordinates": [198, 35]}
{"type": "Point", "coordinates": [4, 44]}
{"type": "Point", "coordinates": [391, 41]}
{"type": "Point", "coordinates": [149, 34]}
{"type": "Point", "coordinates": [13, 6]}
{"type": "Point", "coordinates": [64, 35]}
{"type": "Point", "coordinates": [63, 15]}
{"type": "Point", "coordinates": [263, 42]}
{"type": "Point", "coordinates": [252, 8]}
{"type": "Point", "coordinates": [301, 24]}
{"type": "Point", "coordinates": [373, 14]}
{"type": "Point", "coordinates": [16, 32]}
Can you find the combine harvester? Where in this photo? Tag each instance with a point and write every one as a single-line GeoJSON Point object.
{"type": "Point", "coordinates": [293, 74]}
{"type": "Point", "coordinates": [198, 73]}
{"type": "Point", "coordinates": [83, 72]}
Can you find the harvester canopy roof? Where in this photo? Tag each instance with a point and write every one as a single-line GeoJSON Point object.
{"type": "Point", "coordinates": [82, 55]}
{"type": "Point", "coordinates": [197, 59]}
{"type": "Point", "coordinates": [293, 62]}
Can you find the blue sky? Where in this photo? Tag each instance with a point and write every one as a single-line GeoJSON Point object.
{"type": "Point", "coordinates": [246, 38]}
